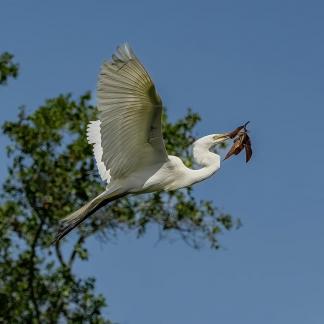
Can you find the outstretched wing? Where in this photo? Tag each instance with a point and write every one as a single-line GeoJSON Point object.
{"type": "Point", "coordinates": [130, 115]}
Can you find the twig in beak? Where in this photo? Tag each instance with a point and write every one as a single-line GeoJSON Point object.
{"type": "Point", "coordinates": [241, 141]}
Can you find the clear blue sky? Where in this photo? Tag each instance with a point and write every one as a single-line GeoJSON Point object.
{"type": "Point", "coordinates": [231, 61]}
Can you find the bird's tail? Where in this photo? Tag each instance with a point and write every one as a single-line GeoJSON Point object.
{"type": "Point", "coordinates": [68, 223]}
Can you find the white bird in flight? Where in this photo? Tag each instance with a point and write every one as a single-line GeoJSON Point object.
{"type": "Point", "coordinates": [127, 139]}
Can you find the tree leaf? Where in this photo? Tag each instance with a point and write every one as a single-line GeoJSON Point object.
{"type": "Point", "coordinates": [248, 149]}
{"type": "Point", "coordinates": [242, 141]}
{"type": "Point", "coordinates": [237, 147]}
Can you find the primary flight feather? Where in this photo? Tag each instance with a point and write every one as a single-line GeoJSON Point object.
{"type": "Point", "coordinates": [127, 139]}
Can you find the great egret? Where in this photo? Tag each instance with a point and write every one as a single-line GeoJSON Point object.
{"type": "Point", "coordinates": [127, 139]}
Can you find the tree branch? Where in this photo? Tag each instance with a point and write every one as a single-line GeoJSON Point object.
{"type": "Point", "coordinates": [80, 240]}
{"type": "Point", "coordinates": [31, 270]}
{"type": "Point", "coordinates": [59, 254]}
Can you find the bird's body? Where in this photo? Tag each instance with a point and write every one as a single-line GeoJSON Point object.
{"type": "Point", "coordinates": [171, 175]}
{"type": "Point", "coordinates": [127, 140]}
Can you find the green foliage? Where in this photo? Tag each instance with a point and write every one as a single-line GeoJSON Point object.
{"type": "Point", "coordinates": [7, 67]}
{"type": "Point", "coordinates": [52, 173]}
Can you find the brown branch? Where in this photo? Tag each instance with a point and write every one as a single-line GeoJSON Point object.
{"type": "Point", "coordinates": [32, 269]}
{"type": "Point", "coordinates": [74, 251]}
{"type": "Point", "coordinates": [60, 302]}
{"type": "Point", "coordinates": [59, 254]}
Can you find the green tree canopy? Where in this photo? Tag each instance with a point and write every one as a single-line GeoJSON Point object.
{"type": "Point", "coordinates": [7, 68]}
{"type": "Point", "coordinates": [51, 174]}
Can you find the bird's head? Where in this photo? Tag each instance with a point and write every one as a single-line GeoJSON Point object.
{"type": "Point", "coordinates": [210, 141]}
{"type": "Point", "coordinates": [205, 144]}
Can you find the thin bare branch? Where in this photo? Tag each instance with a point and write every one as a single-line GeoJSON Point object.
{"type": "Point", "coordinates": [80, 240]}
{"type": "Point", "coordinates": [32, 269]}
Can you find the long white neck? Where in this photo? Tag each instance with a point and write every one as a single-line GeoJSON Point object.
{"type": "Point", "coordinates": [209, 162]}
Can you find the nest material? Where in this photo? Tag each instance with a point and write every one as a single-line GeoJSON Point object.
{"type": "Point", "coordinates": [241, 141]}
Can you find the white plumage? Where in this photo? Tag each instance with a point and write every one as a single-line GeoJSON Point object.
{"type": "Point", "coordinates": [130, 114]}
{"type": "Point", "coordinates": [127, 139]}
{"type": "Point", "coordinates": [94, 138]}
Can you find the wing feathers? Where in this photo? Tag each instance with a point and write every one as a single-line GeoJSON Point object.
{"type": "Point", "coordinates": [94, 137]}
{"type": "Point", "coordinates": [129, 108]}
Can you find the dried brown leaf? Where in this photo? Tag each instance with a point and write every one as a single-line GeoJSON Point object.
{"type": "Point", "coordinates": [234, 133]}
{"type": "Point", "coordinates": [248, 149]}
{"type": "Point", "coordinates": [237, 147]}
{"type": "Point", "coordinates": [241, 141]}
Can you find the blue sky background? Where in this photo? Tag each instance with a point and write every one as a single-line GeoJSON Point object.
{"type": "Point", "coordinates": [231, 61]}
